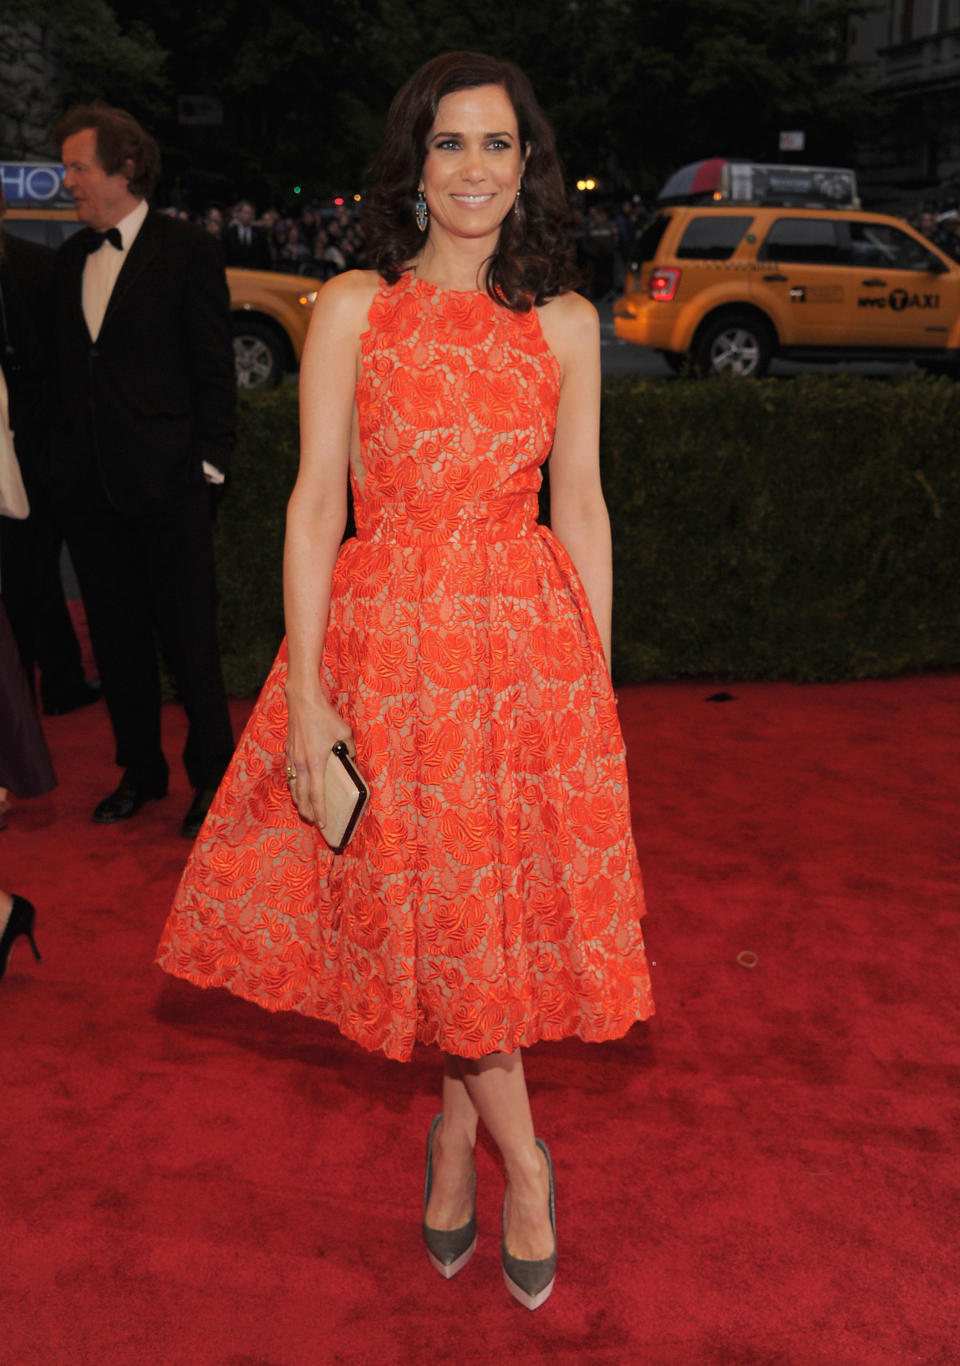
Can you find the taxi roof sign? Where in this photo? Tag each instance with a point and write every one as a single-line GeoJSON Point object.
{"type": "Point", "coordinates": [815, 187]}
{"type": "Point", "coordinates": [722, 180]}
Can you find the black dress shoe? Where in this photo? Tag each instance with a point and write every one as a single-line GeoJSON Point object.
{"type": "Point", "coordinates": [127, 800]}
{"type": "Point", "coordinates": [199, 807]}
{"type": "Point", "coordinates": [83, 696]}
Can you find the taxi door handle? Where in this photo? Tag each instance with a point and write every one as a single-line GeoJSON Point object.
{"type": "Point", "coordinates": [773, 278]}
{"type": "Point", "coordinates": [874, 284]}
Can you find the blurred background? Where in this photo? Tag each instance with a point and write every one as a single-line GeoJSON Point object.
{"type": "Point", "coordinates": [285, 103]}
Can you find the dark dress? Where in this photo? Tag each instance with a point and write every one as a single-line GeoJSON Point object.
{"type": "Point", "coordinates": [25, 765]}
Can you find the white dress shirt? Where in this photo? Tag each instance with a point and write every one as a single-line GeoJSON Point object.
{"type": "Point", "coordinates": [104, 265]}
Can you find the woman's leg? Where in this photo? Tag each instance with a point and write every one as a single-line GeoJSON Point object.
{"type": "Point", "coordinates": [451, 1195]}
{"type": "Point", "coordinates": [498, 1089]}
{"type": "Point", "coordinates": [493, 1088]}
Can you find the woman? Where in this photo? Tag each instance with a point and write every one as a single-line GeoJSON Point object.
{"type": "Point", "coordinates": [490, 896]}
{"type": "Point", "coordinates": [25, 767]}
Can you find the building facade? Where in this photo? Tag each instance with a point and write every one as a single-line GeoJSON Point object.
{"type": "Point", "coordinates": [910, 53]}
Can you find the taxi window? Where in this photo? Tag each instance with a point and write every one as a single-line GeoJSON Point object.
{"type": "Point", "coordinates": [713, 238]}
{"type": "Point", "coordinates": [647, 242]}
{"type": "Point", "coordinates": [804, 241]}
{"type": "Point", "coordinates": [30, 229]}
{"type": "Point", "coordinates": [883, 246]}
{"type": "Point", "coordinates": [49, 232]}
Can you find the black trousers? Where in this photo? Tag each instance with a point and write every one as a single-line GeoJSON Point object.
{"type": "Point", "coordinates": [143, 577]}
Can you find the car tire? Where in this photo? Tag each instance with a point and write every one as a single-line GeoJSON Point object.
{"type": "Point", "coordinates": [258, 353]}
{"type": "Point", "coordinates": [734, 344]}
{"type": "Point", "coordinates": [677, 360]}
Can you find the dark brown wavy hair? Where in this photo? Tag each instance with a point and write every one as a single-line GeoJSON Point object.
{"type": "Point", "coordinates": [533, 261]}
{"type": "Point", "coordinates": [119, 139]}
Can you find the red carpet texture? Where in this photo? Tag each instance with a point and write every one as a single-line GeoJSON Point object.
{"type": "Point", "coordinates": [767, 1175]}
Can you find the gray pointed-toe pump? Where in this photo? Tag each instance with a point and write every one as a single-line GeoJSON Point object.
{"type": "Point", "coordinates": [532, 1282]}
{"type": "Point", "coordinates": [449, 1250]}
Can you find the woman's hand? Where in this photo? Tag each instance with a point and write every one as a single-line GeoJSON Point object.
{"type": "Point", "coordinates": [313, 728]}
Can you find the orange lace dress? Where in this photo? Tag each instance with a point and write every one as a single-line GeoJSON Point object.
{"type": "Point", "coordinates": [491, 895]}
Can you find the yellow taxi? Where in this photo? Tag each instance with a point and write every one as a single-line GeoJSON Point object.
{"type": "Point", "coordinates": [270, 310]}
{"type": "Point", "coordinates": [725, 285]}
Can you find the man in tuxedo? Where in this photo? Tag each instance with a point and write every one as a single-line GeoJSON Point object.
{"type": "Point", "coordinates": [245, 245]}
{"type": "Point", "coordinates": [148, 393]}
{"type": "Point", "coordinates": [30, 549]}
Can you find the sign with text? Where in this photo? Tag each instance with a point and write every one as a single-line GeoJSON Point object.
{"type": "Point", "coordinates": [830, 187]}
{"type": "Point", "coordinates": [793, 141]}
{"type": "Point", "coordinates": [34, 184]}
{"type": "Point", "coordinates": [200, 111]}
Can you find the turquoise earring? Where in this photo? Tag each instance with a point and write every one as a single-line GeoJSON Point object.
{"type": "Point", "coordinates": [421, 212]}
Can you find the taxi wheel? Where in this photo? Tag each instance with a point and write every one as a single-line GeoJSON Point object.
{"type": "Point", "coordinates": [257, 355]}
{"type": "Point", "coordinates": [735, 344]}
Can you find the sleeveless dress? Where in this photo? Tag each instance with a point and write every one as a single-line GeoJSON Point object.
{"type": "Point", "coordinates": [490, 896]}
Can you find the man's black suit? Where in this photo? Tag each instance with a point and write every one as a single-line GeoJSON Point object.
{"type": "Point", "coordinates": [30, 549]}
{"type": "Point", "coordinates": [252, 255]}
{"type": "Point", "coordinates": [143, 407]}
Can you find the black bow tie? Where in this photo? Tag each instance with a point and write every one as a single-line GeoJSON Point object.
{"type": "Point", "coordinates": [93, 241]}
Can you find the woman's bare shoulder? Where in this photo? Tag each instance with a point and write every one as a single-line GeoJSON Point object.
{"type": "Point", "coordinates": [570, 323]}
{"type": "Point", "coordinates": [569, 311]}
{"type": "Point", "coordinates": [346, 299]}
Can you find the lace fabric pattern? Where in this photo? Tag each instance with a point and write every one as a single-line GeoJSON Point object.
{"type": "Point", "coordinates": [491, 895]}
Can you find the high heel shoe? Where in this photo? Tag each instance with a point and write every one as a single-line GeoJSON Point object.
{"type": "Point", "coordinates": [532, 1282]}
{"type": "Point", "coordinates": [449, 1250]}
{"type": "Point", "coordinates": [20, 921]}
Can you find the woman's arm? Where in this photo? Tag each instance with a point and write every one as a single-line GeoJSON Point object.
{"type": "Point", "coordinates": [578, 513]}
{"type": "Point", "coordinates": [316, 516]}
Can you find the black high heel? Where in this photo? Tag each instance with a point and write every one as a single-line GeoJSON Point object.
{"type": "Point", "coordinates": [21, 921]}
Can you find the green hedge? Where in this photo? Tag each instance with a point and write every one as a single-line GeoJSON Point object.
{"type": "Point", "coordinates": [805, 528]}
{"type": "Point", "coordinates": [249, 536]}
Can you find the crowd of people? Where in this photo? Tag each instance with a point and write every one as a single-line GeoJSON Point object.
{"type": "Point", "coordinates": [323, 241]}
{"type": "Point", "coordinates": [942, 228]}
{"type": "Point", "coordinates": [317, 241]}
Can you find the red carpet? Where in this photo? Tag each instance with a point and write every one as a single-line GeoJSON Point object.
{"type": "Point", "coordinates": [766, 1176]}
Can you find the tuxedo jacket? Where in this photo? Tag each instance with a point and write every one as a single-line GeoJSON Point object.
{"type": "Point", "coordinates": [26, 348]}
{"type": "Point", "coordinates": [155, 395]}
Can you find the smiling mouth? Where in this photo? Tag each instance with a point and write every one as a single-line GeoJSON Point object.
{"type": "Point", "coordinates": [472, 198]}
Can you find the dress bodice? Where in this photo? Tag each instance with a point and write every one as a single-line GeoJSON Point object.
{"type": "Point", "coordinates": [457, 403]}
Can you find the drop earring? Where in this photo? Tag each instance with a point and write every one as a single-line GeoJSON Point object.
{"type": "Point", "coordinates": [421, 212]}
{"type": "Point", "coordinates": [516, 202]}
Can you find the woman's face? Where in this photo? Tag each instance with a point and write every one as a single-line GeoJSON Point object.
{"type": "Point", "coordinates": [474, 162]}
